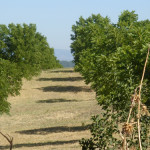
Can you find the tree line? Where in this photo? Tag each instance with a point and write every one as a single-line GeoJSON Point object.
{"type": "Point", "coordinates": [24, 52]}
{"type": "Point", "coordinates": [111, 58]}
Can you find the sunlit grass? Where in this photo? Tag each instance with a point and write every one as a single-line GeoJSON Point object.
{"type": "Point", "coordinates": [66, 106]}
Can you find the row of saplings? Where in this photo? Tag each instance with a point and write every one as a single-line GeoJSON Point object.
{"type": "Point", "coordinates": [111, 58]}
{"type": "Point", "coordinates": [24, 53]}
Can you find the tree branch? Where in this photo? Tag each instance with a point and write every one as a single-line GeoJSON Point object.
{"type": "Point", "coordinates": [9, 139]}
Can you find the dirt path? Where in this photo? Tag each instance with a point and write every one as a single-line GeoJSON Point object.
{"type": "Point", "coordinates": [52, 112]}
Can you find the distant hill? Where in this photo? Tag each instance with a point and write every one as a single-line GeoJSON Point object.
{"type": "Point", "coordinates": [63, 54]}
{"type": "Point", "coordinates": [67, 64]}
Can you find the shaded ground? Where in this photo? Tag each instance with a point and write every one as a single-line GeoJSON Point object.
{"type": "Point", "coordinates": [60, 88]}
{"type": "Point", "coordinates": [39, 144]}
{"type": "Point", "coordinates": [56, 101]}
{"type": "Point", "coordinates": [53, 111]}
{"type": "Point", "coordinates": [55, 130]}
{"type": "Point", "coordinates": [61, 79]}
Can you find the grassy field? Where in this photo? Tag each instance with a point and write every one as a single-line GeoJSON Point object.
{"type": "Point", "coordinates": [52, 112]}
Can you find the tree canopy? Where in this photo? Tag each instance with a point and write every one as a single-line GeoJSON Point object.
{"type": "Point", "coordinates": [24, 52]}
{"type": "Point", "coordinates": [111, 58]}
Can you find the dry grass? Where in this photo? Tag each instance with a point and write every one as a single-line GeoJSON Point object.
{"type": "Point", "coordinates": [52, 112]}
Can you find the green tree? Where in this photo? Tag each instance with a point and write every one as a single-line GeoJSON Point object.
{"type": "Point", "coordinates": [111, 58]}
{"type": "Point", "coordinates": [127, 18]}
{"type": "Point", "coordinates": [23, 53]}
{"type": "Point", "coordinates": [10, 83]}
{"type": "Point", "coordinates": [28, 48]}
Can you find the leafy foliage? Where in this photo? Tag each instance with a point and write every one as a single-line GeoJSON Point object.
{"type": "Point", "coordinates": [111, 58]}
{"type": "Point", "coordinates": [23, 54]}
{"type": "Point", "coordinates": [10, 83]}
{"type": "Point", "coordinates": [28, 48]}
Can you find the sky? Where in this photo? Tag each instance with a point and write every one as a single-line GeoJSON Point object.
{"type": "Point", "coordinates": [54, 18]}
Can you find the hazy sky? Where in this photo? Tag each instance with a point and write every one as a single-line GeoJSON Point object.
{"type": "Point", "coordinates": [54, 18]}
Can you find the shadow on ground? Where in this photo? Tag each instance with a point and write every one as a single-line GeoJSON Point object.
{"type": "Point", "coordinates": [56, 101]}
{"type": "Point", "coordinates": [61, 79]}
{"type": "Point", "coordinates": [39, 144]}
{"type": "Point", "coordinates": [62, 71]}
{"type": "Point", "coordinates": [44, 131]}
{"type": "Point", "coordinates": [65, 89]}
